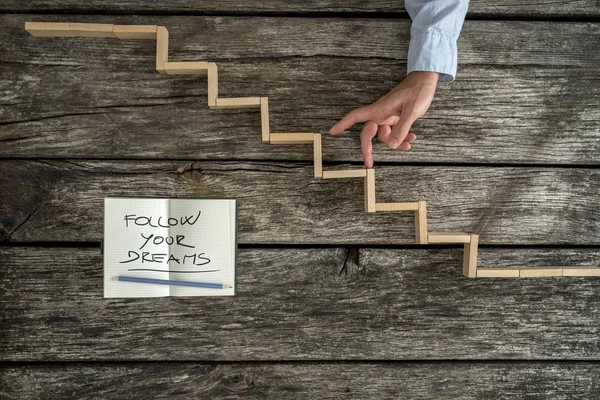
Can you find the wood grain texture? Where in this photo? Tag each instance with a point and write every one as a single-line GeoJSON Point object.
{"type": "Point", "coordinates": [320, 304]}
{"type": "Point", "coordinates": [516, 100]}
{"type": "Point", "coordinates": [52, 200]}
{"type": "Point", "coordinates": [502, 8]}
{"type": "Point", "coordinates": [426, 381]}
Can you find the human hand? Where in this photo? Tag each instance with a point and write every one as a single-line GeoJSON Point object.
{"type": "Point", "coordinates": [391, 117]}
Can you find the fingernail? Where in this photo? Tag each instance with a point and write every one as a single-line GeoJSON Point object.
{"type": "Point", "coordinates": [393, 143]}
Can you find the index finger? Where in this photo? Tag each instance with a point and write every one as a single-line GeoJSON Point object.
{"type": "Point", "coordinates": [353, 117]}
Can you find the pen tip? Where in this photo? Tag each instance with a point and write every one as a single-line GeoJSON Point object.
{"type": "Point", "coordinates": [226, 287]}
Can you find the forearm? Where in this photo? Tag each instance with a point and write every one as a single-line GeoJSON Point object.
{"type": "Point", "coordinates": [434, 31]}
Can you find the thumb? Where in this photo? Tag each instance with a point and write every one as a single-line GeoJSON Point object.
{"type": "Point", "coordinates": [355, 116]}
{"type": "Point", "coordinates": [400, 130]}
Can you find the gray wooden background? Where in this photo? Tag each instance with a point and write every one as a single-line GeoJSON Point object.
{"type": "Point", "coordinates": [332, 303]}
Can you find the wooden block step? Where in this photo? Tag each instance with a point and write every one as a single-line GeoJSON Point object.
{"type": "Point", "coordinates": [406, 206]}
{"type": "Point", "coordinates": [238, 102]}
{"type": "Point", "coordinates": [497, 273]}
{"type": "Point", "coordinates": [540, 272]}
{"type": "Point", "coordinates": [470, 257]}
{"type": "Point", "coordinates": [162, 48]}
{"type": "Point", "coordinates": [449, 237]}
{"type": "Point", "coordinates": [92, 30]}
{"type": "Point", "coordinates": [291, 138]}
{"type": "Point", "coordinates": [264, 119]}
{"type": "Point", "coordinates": [421, 223]}
{"type": "Point", "coordinates": [581, 271]}
{"type": "Point", "coordinates": [49, 29]}
{"type": "Point", "coordinates": [213, 85]}
{"type": "Point", "coordinates": [127, 32]}
{"type": "Point", "coordinates": [347, 173]}
{"type": "Point", "coordinates": [370, 191]}
{"type": "Point", "coordinates": [317, 155]}
{"type": "Point", "coordinates": [186, 68]}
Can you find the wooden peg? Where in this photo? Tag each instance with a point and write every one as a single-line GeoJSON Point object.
{"type": "Point", "coordinates": [135, 31]}
{"type": "Point", "coordinates": [406, 206]}
{"type": "Point", "coordinates": [370, 190]}
{"type": "Point", "coordinates": [421, 223]}
{"type": "Point", "coordinates": [470, 257]}
{"type": "Point", "coordinates": [162, 48]}
{"type": "Point", "coordinates": [317, 155]}
{"type": "Point", "coordinates": [540, 272]}
{"type": "Point", "coordinates": [186, 68]}
{"type": "Point", "coordinates": [347, 173]}
{"type": "Point", "coordinates": [497, 273]}
{"type": "Point", "coordinates": [448, 237]}
{"type": "Point", "coordinates": [92, 30]}
{"type": "Point", "coordinates": [49, 29]}
{"type": "Point", "coordinates": [238, 102]}
{"type": "Point", "coordinates": [291, 138]}
{"type": "Point", "coordinates": [264, 119]}
{"type": "Point", "coordinates": [581, 271]}
{"type": "Point", "coordinates": [213, 85]}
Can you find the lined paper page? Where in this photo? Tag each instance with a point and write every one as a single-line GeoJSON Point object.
{"type": "Point", "coordinates": [206, 250]}
{"type": "Point", "coordinates": [135, 245]}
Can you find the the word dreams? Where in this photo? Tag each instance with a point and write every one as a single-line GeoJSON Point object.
{"type": "Point", "coordinates": [161, 258]}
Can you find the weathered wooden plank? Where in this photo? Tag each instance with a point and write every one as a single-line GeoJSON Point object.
{"type": "Point", "coordinates": [103, 99]}
{"type": "Point", "coordinates": [131, 381]}
{"type": "Point", "coordinates": [508, 43]}
{"type": "Point", "coordinates": [502, 8]}
{"type": "Point", "coordinates": [300, 304]}
{"type": "Point", "coordinates": [56, 200]}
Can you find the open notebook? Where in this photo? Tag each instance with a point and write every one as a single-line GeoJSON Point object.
{"type": "Point", "coordinates": [190, 240]}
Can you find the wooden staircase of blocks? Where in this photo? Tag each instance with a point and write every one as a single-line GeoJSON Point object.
{"type": "Point", "coordinates": [209, 69]}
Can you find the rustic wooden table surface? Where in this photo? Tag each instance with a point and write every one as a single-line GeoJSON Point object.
{"type": "Point", "coordinates": [332, 302]}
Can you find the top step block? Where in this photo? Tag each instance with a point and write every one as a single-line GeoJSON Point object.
{"type": "Point", "coordinates": [92, 30]}
{"type": "Point", "coordinates": [142, 32]}
{"type": "Point", "coordinates": [49, 29]}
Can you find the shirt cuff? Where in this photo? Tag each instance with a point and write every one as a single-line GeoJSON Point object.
{"type": "Point", "coordinates": [433, 51]}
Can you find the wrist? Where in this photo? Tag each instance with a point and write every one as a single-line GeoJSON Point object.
{"type": "Point", "coordinates": [428, 77]}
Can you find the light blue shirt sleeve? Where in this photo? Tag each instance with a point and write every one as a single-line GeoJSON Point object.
{"type": "Point", "coordinates": [435, 28]}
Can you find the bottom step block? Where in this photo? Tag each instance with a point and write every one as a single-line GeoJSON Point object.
{"type": "Point", "coordinates": [497, 273]}
{"type": "Point", "coordinates": [581, 271]}
{"type": "Point", "coordinates": [540, 272]}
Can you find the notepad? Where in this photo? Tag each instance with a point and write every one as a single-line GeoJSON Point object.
{"type": "Point", "coordinates": [177, 239]}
